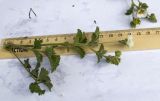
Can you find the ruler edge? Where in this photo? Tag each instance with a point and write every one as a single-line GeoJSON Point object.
{"type": "Point", "coordinates": [71, 34]}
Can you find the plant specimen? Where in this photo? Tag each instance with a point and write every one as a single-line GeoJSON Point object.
{"type": "Point", "coordinates": [40, 74]}
{"type": "Point", "coordinates": [139, 11]}
{"type": "Point", "coordinates": [128, 41]}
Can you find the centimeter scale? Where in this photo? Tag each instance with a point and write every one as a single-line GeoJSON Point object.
{"type": "Point", "coordinates": [144, 39]}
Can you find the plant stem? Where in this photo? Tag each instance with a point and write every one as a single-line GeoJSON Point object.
{"type": "Point", "coordinates": [132, 2]}
{"type": "Point", "coordinates": [139, 1]}
{"type": "Point", "coordinates": [24, 67]}
{"type": "Point", "coordinates": [54, 44]}
{"type": "Point", "coordinates": [92, 50]}
{"type": "Point", "coordinates": [64, 44]}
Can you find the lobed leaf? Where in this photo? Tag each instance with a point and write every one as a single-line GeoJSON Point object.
{"type": "Point", "coordinates": [113, 59]}
{"type": "Point", "coordinates": [152, 18]}
{"type": "Point", "coordinates": [35, 88]}
{"type": "Point", "coordinates": [100, 53]}
{"type": "Point", "coordinates": [39, 58]}
{"type": "Point", "coordinates": [135, 22]}
{"type": "Point", "coordinates": [129, 11]}
{"type": "Point", "coordinates": [53, 58]}
{"type": "Point", "coordinates": [44, 78]}
{"type": "Point", "coordinates": [80, 51]}
{"type": "Point", "coordinates": [118, 53]}
{"type": "Point", "coordinates": [80, 37]}
{"type": "Point", "coordinates": [95, 37]}
{"type": "Point", "coordinates": [143, 6]}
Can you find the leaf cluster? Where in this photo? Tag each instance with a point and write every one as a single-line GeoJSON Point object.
{"type": "Point", "coordinates": [37, 72]}
{"type": "Point", "coordinates": [81, 41]}
{"type": "Point", "coordinates": [101, 53]}
{"type": "Point", "coordinates": [140, 9]}
{"type": "Point", "coordinates": [40, 75]}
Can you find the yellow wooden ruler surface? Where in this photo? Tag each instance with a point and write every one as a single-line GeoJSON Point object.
{"type": "Point", "coordinates": [144, 39]}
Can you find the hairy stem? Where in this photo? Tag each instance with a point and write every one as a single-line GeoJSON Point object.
{"type": "Point", "coordinates": [24, 67]}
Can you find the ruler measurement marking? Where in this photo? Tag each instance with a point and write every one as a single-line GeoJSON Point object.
{"type": "Point", "coordinates": [30, 41]}
{"type": "Point", "coordinates": [120, 35]}
{"type": "Point", "coordinates": [111, 35]}
{"type": "Point", "coordinates": [157, 32]}
{"type": "Point", "coordinates": [148, 33]}
{"type": "Point", "coordinates": [101, 36]}
{"type": "Point", "coordinates": [65, 38]}
{"type": "Point", "coordinates": [139, 33]}
{"type": "Point", "coordinates": [21, 42]}
{"type": "Point", "coordinates": [56, 39]}
{"type": "Point", "coordinates": [47, 39]}
{"type": "Point", "coordinates": [129, 33]}
{"type": "Point", "coordinates": [141, 37]}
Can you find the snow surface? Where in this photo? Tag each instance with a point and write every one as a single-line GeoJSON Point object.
{"type": "Point", "coordinates": [135, 79]}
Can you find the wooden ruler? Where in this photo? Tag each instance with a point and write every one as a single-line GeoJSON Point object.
{"type": "Point", "coordinates": [144, 39]}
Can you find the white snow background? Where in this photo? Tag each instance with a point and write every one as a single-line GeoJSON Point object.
{"type": "Point", "coordinates": [137, 78]}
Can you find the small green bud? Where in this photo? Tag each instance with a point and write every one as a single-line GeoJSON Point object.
{"type": "Point", "coordinates": [118, 53]}
{"type": "Point", "coordinates": [152, 18]}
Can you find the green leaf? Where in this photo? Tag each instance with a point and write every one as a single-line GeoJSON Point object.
{"type": "Point", "coordinates": [142, 8]}
{"type": "Point", "coordinates": [43, 75]}
{"type": "Point", "coordinates": [113, 60]}
{"type": "Point", "coordinates": [38, 44]}
{"type": "Point", "coordinates": [35, 72]}
{"type": "Point", "coordinates": [152, 18]}
{"type": "Point", "coordinates": [80, 51]}
{"type": "Point", "coordinates": [49, 51]}
{"type": "Point", "coordinates": [54, 61]}
{"type": "Point", "coordinates": [44, 78]}
{"type": "Point", "coordinates": [95, 37]}
{"type": "Point", "coordinates": [143, 5]}
{"type": "Point", "coordinates": [100, 53]}
{"type": "Point", "coordinates": [35, 88]}
{"type": "Point", "coordinates": [124, 42]}
{"type": "Point", "coordinates": [118, 53]}
{"type": "Point", "coordinates": [39, 57]}
{"type": "Point", "coordinates": [53, 58]}
{"type": "Point", "coordinates": [135, 22]}
{"type": "Point", "coordinates": [129, 11]}
{"type": "Point", "coordinates": [80, 37]}
{"type": "Point", "coordinates": [132, 24]}
{"type": "Point", "coordinates": [27, 64]}
{"type": "Point", "coordinates": [48, 84]}
{"type": "Point", "coordinates": [8, 46]}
